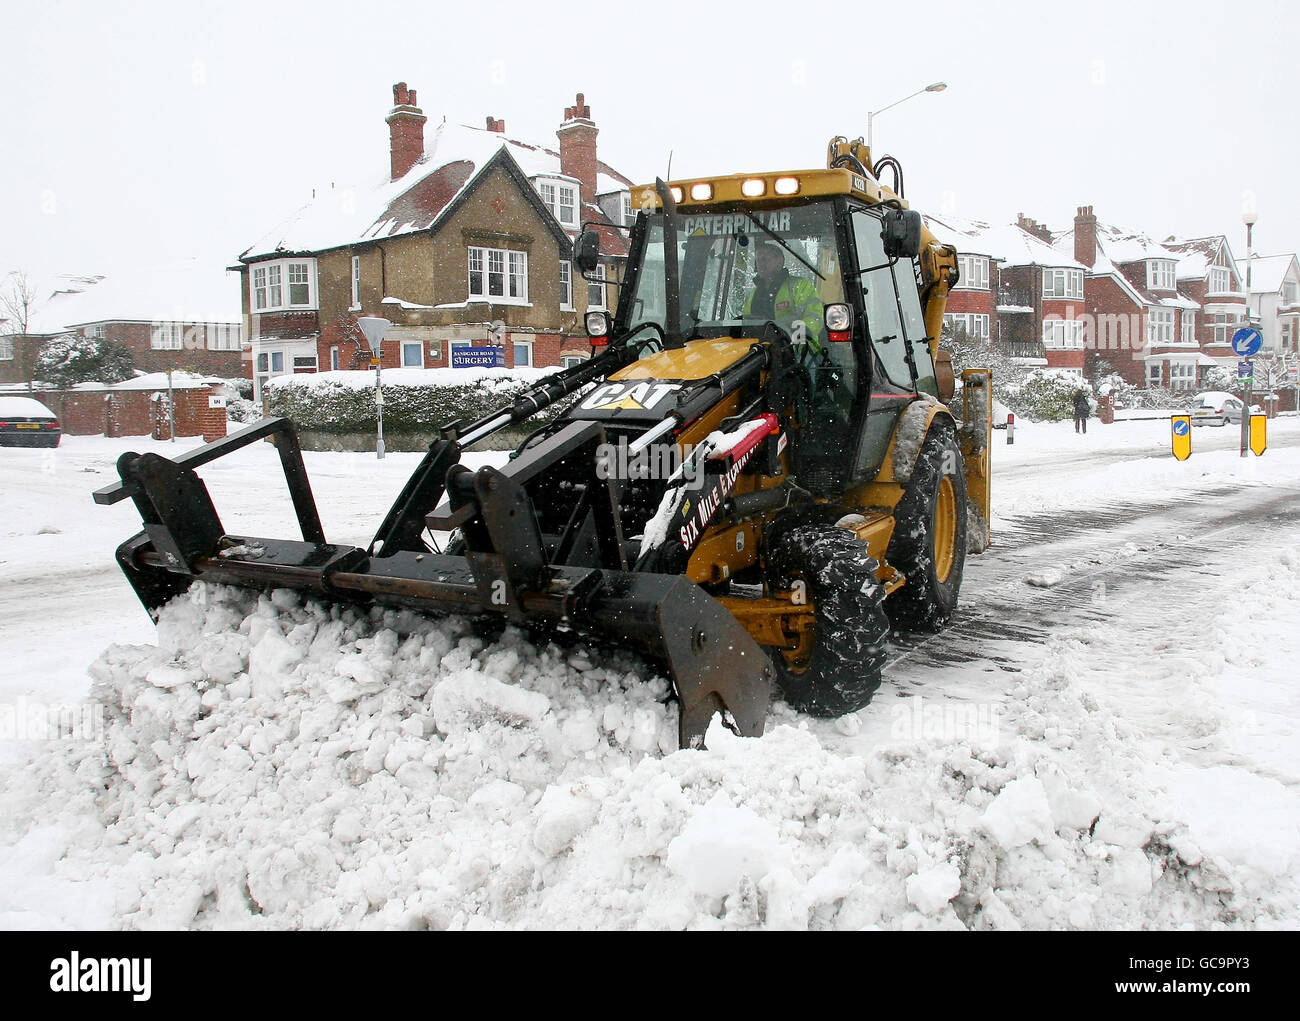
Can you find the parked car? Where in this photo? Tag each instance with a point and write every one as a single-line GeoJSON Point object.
{"type": "Point", "coordinates": [25, 422]}
{"type": "Point", "coordinates": [1214, 407]}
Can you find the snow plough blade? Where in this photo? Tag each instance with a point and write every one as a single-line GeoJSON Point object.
{"type": "Point", "coordinates": [714, 664]}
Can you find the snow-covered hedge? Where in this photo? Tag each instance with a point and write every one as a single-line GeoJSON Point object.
{"type": "Point", "coordinates": [416, 402]}
{"type": "Point", "coordinates": [1045, 395]}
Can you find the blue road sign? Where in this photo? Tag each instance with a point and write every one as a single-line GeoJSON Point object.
{"type": "Point", "coordinates": [1245, 369]}
{"type": "Point", "coordinates": [1246, 341]}
{"type": "Point", "coordinates": [1182, 427]}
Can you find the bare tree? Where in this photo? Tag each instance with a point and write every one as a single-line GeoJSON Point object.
{"type": "Point", "coordinates": [17, 301]}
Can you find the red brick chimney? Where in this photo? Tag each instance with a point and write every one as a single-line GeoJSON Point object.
{"type": "Point", "coordinates": [495, 125]}
{"type": "Point", "coordinates": [1032, 226]}
{"type": "Point", "coordinates": [1085, 237]}
{"type": "Point", "coordinates": [405, 130]}
{"type": "Point", "coordinates": [578, 147]}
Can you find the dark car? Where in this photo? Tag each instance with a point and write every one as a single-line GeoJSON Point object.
{"type": "Point", "coordinates": [25, 422]}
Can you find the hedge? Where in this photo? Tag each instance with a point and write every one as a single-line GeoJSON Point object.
{"type": "Point", "coordinates": [324, 405]}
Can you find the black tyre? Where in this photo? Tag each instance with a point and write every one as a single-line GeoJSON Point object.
{"type": "Point", "coordinates": [929, 541]}
{"type": "Point", "coordinates": [839, 670]}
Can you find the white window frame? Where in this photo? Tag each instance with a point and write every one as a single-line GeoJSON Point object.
{"type": "Point", "coordinates": [566, 285]}
{"type": "Point", "coordinates": [97, 332]}
{"type": "Point", "coordinates": [294, 366]}
{"type": "Point", "coordinates": [527, 345]}
{"type": "Point", "coordinates": [1160, 275]}
{"type": "Point", "coordinates": [6, 349]}
{"type": "Point", "coordinates": [334, 359]}
{"type": "Point", "coordinates": [1219, 281]}
{"type": "Point", "coordinates": [597, 286]}
{"type": "Point", "coordinates": [560, 196]}
{"type": "Point", "coordinates": [168, 336]}
{"type": "Point", "coordinates": [1070, 281]}
{"type": "Point", "coordinates": [629, 214]}
{"type": "Point", "coordinates": [1189, 326]}
{"type": "Point", "coordinates": [1062, 334]}
{"type": "Point", "coordinates": [1182, 375]}
{"type": "Point", "coordinates": [569, 361]}
{"type": "Point", "coordinates": [972, 273]}
{"type": "Point", "coordinates": [223, 337]}
{"type": "Point", "coordinates": [418, 345]}
{"type": "Point", "coordinates": [269, 285]}
{"type": "Point", "coordinates": [1155, 374]}
{"type": "Point", "coordinates": [1225, 325]}
{"type": "Point", "coordinates": [1160, 326]}
{"type": "Point", "coordinates": [976, 324]}
{"type": "Point", "coordinates": [356, 283]}
{"type": "Point", "coordinates": [512, 266]}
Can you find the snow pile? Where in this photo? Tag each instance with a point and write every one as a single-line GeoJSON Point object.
{"type": "Point", "coordinates": [275, 763]}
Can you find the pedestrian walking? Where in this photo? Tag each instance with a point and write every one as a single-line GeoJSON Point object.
{"type": "Point", "coordinates": [1081, 411]}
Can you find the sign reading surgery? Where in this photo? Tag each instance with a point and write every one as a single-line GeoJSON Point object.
{"type": "Point", "coordinates": [477, 357]}
{"type": "Point", "coordinates": [1180, 426]}
{"type": "Point", "coordinates": [736, 223]}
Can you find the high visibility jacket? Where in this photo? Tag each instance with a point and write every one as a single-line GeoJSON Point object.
{"type": "Point", "coordinates": [795, 299]}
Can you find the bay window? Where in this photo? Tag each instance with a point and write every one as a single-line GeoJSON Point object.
{"type": "Point", "coordinates": [973, 272]}
{"type": "Point", "coordinates": [1063, 283]}
{"type": "Point", "coordinates": [1160, 326]}
{"type": "Point", "coordinates": [284, 284]}
{"type": "Point", "coordinates": [1220, 280]}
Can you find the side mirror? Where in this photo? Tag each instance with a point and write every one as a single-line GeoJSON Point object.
{"type": "Point", "coordinates": [902, 233]}
{"type": "Point", "coordinates": [586, 251]}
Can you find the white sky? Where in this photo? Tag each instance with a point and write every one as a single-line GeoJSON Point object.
{"type": "Point", "coordinates": [137, 133]}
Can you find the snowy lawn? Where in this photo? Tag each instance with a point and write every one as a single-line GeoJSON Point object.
{"type": "Point", "coordinates": [269, 762]}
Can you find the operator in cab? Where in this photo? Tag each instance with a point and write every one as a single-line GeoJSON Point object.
{"type": "Point", "coordinates": [785, 299]}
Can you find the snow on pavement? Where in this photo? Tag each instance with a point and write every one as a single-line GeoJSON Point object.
{"type": "Point", "coordinates": [275, 763]}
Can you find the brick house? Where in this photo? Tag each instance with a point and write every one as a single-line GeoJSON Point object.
{"type": "Point", "coordinates": [1017, 289]}
{"type": "Point", "coordinates": [182, 317]}
{"type": "Point", "coordinates": [1208, 274]}
{"type": "Point", "coordinates": [1139, 323]}
{"type": "Point", "coordinates": [464, 245]}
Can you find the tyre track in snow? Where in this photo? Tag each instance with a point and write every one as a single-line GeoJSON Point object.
{"type": "Point", "coordinates": [1090, 567]}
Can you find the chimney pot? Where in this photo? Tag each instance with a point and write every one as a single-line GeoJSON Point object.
{"type": "Point", "coordinates": [405, 131]}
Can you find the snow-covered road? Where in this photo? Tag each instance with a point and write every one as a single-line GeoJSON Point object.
{"type": "Point", "coordinates": [1105, 737]}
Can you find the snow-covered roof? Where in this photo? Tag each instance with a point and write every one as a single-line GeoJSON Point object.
{"type": "Point", "coordinates": [1269, 272]}
{"type": "Point", "coordinates": [51, 297]}
{"type": "Point", "coordinates": [382, 208]}
{"type": "Point", "coordinates": [607, 184]}
{"type": "Point", "coordinates": [188, 291]}
{"type": "Point", "coordinates": [1008, 243]}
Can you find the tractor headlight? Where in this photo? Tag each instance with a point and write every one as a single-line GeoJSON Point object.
{"type": "Point", "coordinates": [753, 188]}
{"type": "Point", "coordinates": [786, 186]}
{"type": "Point", "coordinates": [838, 317]}
{"type": "Point", "coordinates": [701, 191]}
{"type": "Point", "coordinates": [597, 324]}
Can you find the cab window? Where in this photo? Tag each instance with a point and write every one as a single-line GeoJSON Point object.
{"type": "Point", "coordinates": [880, 300]}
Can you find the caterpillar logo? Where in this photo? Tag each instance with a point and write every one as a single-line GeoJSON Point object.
{"type": "Point", "coordinates": [628, 396]}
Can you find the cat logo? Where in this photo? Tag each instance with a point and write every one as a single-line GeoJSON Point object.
{"type": "Point", "coordinates": [628, 396]}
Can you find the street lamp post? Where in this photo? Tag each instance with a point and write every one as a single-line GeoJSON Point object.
{"type": "Point", "coordinates": [374, 328]}
{"type": "Point", "coordinates": [1248, 217]}
{"type": "Point", "coordinates": [936, 87]}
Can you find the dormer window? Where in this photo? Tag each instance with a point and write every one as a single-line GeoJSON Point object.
{"type": "Point", "coordinates": [561, 198]}
{"type": "Point", "coordinates": [1220, 280]}
{"type": "Point", "coordinates": [1160, 274]}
